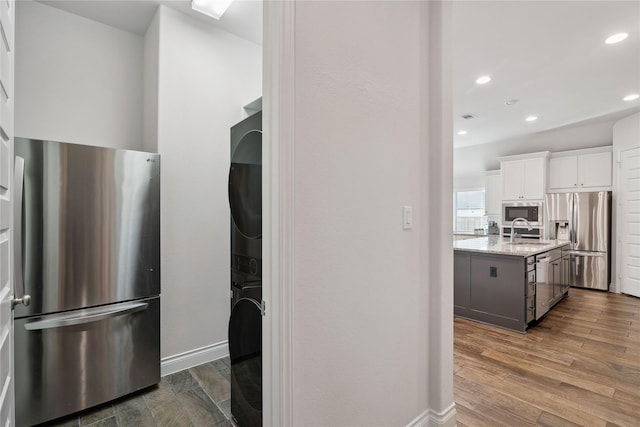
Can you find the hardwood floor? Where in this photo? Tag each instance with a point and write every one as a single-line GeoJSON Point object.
{"type": "Point", "coordinates": [579, 366]}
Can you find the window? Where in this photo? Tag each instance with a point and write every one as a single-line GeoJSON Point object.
{"type": "Point", "coordinates": [469, 211]}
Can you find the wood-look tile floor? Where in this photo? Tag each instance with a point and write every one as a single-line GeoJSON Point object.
{"type": "Point", "coordinates": [197, 397]}
{"type": "Point", "coordinates": [579, 366]}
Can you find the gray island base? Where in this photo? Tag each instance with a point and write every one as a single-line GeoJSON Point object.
{"type": "Point", "coordinates": [509, 285]}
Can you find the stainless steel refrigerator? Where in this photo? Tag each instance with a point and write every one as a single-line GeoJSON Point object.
{"type": "Point", "coordinates": [87, 253]}
{"type": "Point", "coordinates": [584, 219]}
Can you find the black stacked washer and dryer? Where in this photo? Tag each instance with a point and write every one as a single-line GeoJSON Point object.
{"type": "Point", "coordinates": [245, 324]}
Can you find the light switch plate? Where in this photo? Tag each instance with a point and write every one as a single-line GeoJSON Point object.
{"type": "Point", "coordinates": [407, 217]}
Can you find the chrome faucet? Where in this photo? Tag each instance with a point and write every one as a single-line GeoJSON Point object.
{"type": "Point", "coordinates": [514, 222]}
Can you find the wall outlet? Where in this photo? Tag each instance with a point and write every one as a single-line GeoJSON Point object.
{"type": "Point", "coordinates": [493, 271]}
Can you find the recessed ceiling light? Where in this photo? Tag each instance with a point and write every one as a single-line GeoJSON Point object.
{"type": "Point", "coordinates": [616, 38]}
{"type": "Point", "coordinates": [482, 80]}
{"type": "Point", "coordinates": [531, 118]}
{"type": "Point", "coordinates": [631, 97]}
{"type": "Point", "coordinates": [462, 132]}
{"type": "Point", "coordinates": [511, 102]}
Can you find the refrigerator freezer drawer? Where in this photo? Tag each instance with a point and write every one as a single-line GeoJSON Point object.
{"type": "Point", "coordinates": [589, 271]}
{"type": "Point", "coordinates": [68, 362]}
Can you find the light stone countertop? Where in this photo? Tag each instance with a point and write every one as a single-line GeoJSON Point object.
{"type": "Point", "coordinates": [501, 246]}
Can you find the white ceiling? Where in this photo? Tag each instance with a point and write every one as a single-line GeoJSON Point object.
{"type": "Point", "coordinates": [550, 55]}
{"type": "Point", "coordinates": [243, 18]}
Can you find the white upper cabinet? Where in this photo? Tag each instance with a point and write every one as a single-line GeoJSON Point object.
{"type": "Point", "coordinates": [493, 193]}
{"type": "Point", "coordinates": [594, 170]}
{"type": "Point", "coordinates": [581, 170]}
{"type": "Point", "coordinates": [563, 172]}
{"type": "Point", "coordinates": [523, 179]}
{"type": "Point", "coordinates": [513, 181]}
{"type": "Point", "coordinates": [534, 178]}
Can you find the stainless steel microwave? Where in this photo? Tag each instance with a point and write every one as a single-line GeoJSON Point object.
{"type": "Point", "coordinates": [531, 211]}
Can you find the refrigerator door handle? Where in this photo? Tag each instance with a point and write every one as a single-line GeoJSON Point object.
{"type": "Point", "coordinates": [86, 316]}
{"type": "Point", "coordinates": [586, 253]}
{"type": "Point", "coordinates": [571, 235]}
{"type": "Point", "coordinates": [18, 287]}
{"type": "Point", "coordinates": [572, 227]}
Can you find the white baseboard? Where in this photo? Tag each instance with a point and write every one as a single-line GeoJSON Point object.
{"type": "Point", "coordinates": [189, 359]}
{"type": "Point", "coordinates": [431, 418]}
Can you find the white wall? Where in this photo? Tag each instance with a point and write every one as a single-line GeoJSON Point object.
{"type": "Point", "coordinates": [76, 80]}
{"type": "Point", "coordinates": [150, 82]}
{"type": "Point", "coordinates": [372, 303]}
{"type": "Point", "coordinates": [469, 182]}
{"type": "Point", "coordinates": [626, 134]}
{"type": "Point", "coordinates": [176, 91]}
{"type": "Point", "coordinates": [475, 160]}
{"type": "Point", "coordinates": [205, 77]}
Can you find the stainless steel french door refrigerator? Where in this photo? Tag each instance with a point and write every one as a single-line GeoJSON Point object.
{"type": "Point", "coordinates": [585, 220]}
{"type": "Point", "coordinates": [88, 254]}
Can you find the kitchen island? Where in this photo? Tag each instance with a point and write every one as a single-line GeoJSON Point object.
{"type": "Point", "coordinates": [508, 284]}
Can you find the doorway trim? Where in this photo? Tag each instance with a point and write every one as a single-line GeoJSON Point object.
{"type": "Point", "coordinates": [277, 196]}
{"type": "Point", "coordinates": [622, 224]}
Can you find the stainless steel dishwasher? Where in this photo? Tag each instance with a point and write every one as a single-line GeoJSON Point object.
{"type": "Point", "coordinates": [548, 280]}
